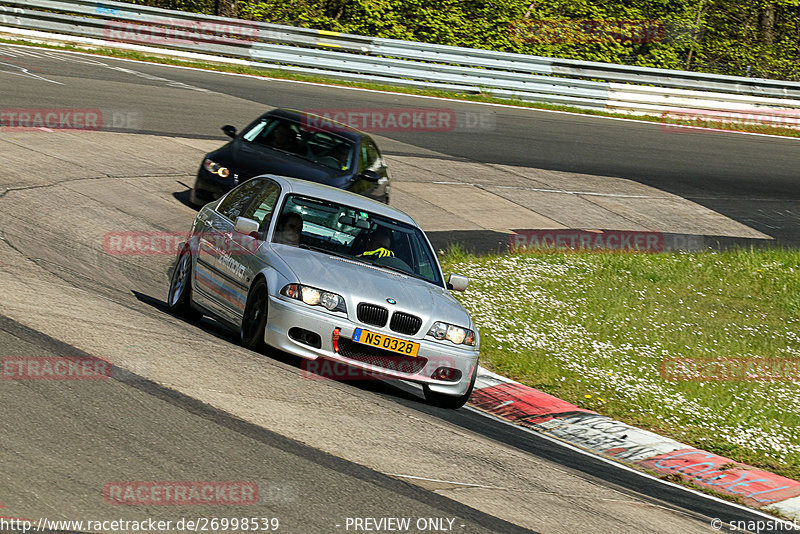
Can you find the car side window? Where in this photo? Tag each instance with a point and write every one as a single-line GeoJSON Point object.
{"type": "Point", "coordinates": [258, 129]}
{"type": "Point", "coordinates": [239, 199]}
{"type": "Point", "coordinates": [282, 135]}
{"type": "Point", "coordinates": [369, 158]}
{"type": "Point", "coordinates": [263, 207]}
{"type": "Point", "coordinates": [422, 262]}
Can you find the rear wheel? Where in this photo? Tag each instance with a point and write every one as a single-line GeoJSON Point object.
{"type": "Point", "coordinates": [179, 298]}
{"type": "Point", "coordinates": [255, 316]}
{"type": "Point", "coordinates": [450, 402]}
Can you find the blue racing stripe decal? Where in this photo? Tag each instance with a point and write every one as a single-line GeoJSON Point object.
{"type": "Point", "coordinates": [226, 292]}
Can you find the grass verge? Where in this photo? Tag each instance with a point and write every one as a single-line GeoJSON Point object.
{"type": "Point", "coordinates": [596, 329]}
{"type": "Point", "coordinates": [671, 124]}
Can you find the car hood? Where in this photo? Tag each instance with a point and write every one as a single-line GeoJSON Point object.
{"type": "Point", "coordinates": [357, 282]}
{"type": "Point", "coordinates": [249, 159]}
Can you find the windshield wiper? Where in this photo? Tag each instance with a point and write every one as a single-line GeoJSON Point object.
{"type": "Point", "coordinates": [395, 269]}
{"type": "Point", "coordinates": [324, 251]}
{"type": "Point", "coordinates": [295, 154]}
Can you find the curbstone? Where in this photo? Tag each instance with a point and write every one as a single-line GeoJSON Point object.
{"type": "Point", "coordinates": [530, 408]}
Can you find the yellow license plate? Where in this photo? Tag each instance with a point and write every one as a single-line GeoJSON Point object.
{"type": "Point", "coordinates": [392, 344]}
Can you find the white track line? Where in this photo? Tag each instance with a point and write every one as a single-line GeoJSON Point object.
{"type": "Point", "coordinates": [445, 481]}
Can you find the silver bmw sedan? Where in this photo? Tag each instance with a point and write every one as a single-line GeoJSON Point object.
{"type": "Point", "coordinates": [329, 276]}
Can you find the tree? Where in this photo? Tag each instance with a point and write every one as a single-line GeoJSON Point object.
{"type": "Point", "coordinates": [226, 8]}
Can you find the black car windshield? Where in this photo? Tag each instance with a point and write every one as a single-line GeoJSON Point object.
{"type": "Point", "coordinates": [357, 235]}
{"type": "Point", "coordinates": [305, 141]}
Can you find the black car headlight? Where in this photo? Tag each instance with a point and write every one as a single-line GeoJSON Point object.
{"type": "Point", "coordinates": [216, 168]}
{"type": "Point", "coordinates": [315, 297]}
{"type": "Point", "coordinates": [452, 333]}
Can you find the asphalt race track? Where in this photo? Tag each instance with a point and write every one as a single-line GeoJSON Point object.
{"type": "Point", "coordinates": [186, 403]}
{"type": "Point", "coordinates": [296, 482]}
{"type": "Point", "coordinates": [752, 179]}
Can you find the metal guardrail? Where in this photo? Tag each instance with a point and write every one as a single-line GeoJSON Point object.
{"type": "Point", "coordinates": [393, 62]}
{"type": "Point", "coordinates": [145, 15]}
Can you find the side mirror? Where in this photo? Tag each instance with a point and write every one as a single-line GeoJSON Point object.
{"type": "Point", "coordinates": [370, 176]}
{"type": "Point", "coordinates": [229, 130]}
{"type": "Point", "coordinates": [246, 226]}
{"type": "Point", "coordinates": [456, 282]}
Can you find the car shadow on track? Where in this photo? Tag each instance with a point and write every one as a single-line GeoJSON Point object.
{"type": "Point", "coordinates": [183, 197]}
{"type": "Point", "coordinates": [392, 389]}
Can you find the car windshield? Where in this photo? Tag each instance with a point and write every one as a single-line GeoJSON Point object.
{"type": "Point", "coordinates": [358, 235]}
{"type": "Point", "coordinates": [305, 141]}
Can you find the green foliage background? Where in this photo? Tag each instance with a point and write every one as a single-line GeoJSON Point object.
{"type": "Point", "coordinates": [740, 37]}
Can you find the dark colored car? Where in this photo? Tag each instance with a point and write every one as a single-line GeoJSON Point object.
{"type": "Point", "coordinates": [299, 145]}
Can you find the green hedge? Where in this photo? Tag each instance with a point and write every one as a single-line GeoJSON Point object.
{"type": "Point", "coordinates": [207, 7]}
{"type": "Point", "coordinates": [740, 37]}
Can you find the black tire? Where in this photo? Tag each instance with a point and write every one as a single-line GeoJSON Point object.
{"type": "Point", "coordinates": [450, 402]}
{"type": "Point", "coordinates": [179, 298]}
{"type": "Point", "coordinates": [254, 319]}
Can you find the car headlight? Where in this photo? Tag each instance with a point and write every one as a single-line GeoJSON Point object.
{"type": "Point", "coordinates": [452, 333]}
{"type": "Point", "coordinates": [315, 297]}
{"type": "Point", "coordinates": [216, 168]}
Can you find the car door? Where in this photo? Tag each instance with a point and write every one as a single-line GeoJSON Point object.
{"type": "Point", "coordinates": [220, 279]}
{"type": "Point", "coordinates": [244, 250]}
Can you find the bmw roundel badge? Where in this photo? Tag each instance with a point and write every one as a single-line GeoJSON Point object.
{"type": "Point", "coordinates": [391, 301]}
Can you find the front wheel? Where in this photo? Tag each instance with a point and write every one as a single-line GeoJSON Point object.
{"type": "Point", "coordinates": [450, 402]}
{"type": "Point", "coordinates": [255, 317]}
{"type": "Point", "coordinates": [179, 298]}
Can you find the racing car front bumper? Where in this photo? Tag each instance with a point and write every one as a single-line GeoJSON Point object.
{"type": "Point", "coordinates": [289, 321]}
